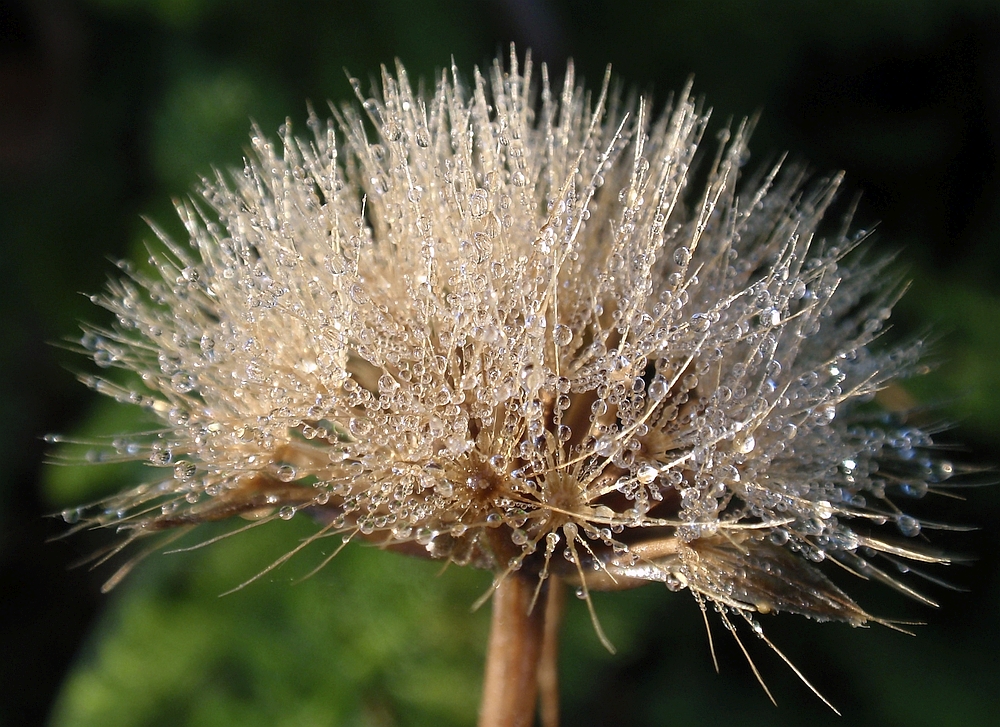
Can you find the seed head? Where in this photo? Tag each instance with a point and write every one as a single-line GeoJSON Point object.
{"type": "Point", "coordinates": [508, 331]}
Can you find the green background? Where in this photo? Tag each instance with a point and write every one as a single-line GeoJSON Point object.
{"type": "Point", "coordinates": [109, 108]}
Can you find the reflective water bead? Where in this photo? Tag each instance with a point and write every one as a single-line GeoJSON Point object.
{"type": "Point", "coordinates": [359, 427]}
{"type": "Point", "coordinates": [658, 388]}
{"type": "Point", "coordinates": [562, 335]}
{"type": "Point", "coordinates": [646, 474]}
{"type": "Point", "coordinates": [184, 470]}
{"type": "Point", "coordinates": [778, 536]}
{"type": "Point", "coordinates": [908, 525]}
{"type": "Point", "coordinates": [478, 203]}
{"type": "Point", "coordinates": [914, 489]}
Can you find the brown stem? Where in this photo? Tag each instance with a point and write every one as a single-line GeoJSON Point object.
{"type": "Point", "coordinates": [548, 664]}
{"type": "Point", "coordinates": [510, 686]}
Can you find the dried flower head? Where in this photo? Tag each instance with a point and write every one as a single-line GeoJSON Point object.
{"type": "Point", "coordinates": [505, 331]}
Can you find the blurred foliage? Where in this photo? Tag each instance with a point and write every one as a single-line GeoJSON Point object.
{"type": "Point", "coordinates": [113, 107]}
{"type": "Point", "coordinates": [333, 649]}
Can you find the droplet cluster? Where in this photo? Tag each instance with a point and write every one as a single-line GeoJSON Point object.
{"type": "Point", "coordinates": [498, 325]}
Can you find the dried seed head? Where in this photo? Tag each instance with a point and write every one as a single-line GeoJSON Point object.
{"type": "Point", "coordinates": [483, 329]}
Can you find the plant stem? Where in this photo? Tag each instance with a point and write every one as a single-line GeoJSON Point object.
{"type": "Point", "coordinates": [510, 685]}
{"type": "Point", "coordinates": [548, 663]}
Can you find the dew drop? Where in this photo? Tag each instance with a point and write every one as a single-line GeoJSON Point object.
{"type": "Point", "coordinates": [646, 474]}
{"type": "Point", "coordinates": [359, 427]}
{"type": "Point", "coordinates": [603, 513]}
{"type": "Point", "coordinates": [71, 515]}
{"type": "Point", "coordinates": [562, 335]}
{"type": "Point", "coordinates": [908, 525]}
{"type": "Point", "coordinates": [478, 203]}
{"type": "Point", "coordinates": [551, 541]}
{"type": "Point", "coordinates": [604, 445]}
{"type": "Point", "coordinates": [914, 489]}
{"type": "Point", "coordinates": [658, 388]}
{"type": "Point", "coordinates": [184, 470]}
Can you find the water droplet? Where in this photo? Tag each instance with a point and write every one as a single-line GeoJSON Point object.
{"type": "Point", "coordinates": [72, 515]}
{"type": "Point", "coordinates": [646, 474]}
{"type": "Point", "coordinates": [518, 536]}
{"type": "Point", "coordinates": [604, 444]}
{"type": "Point", "coordinates": [286, 473]}
{"type": "Point", "coordinates": [534, 325]}
{"type": "Point", "coordinates": [161, 457]}
{"type": "Point", "coordinates": [747, 445]}
{"type": "Point", "coordinates": [658, 388]}
{"type": "Point", "coordinates": [255, 371]}
{"type": "Point", "coordinates": [184, 470]}
{"type": "Point", "coordinates": [478, 203]}
{"type": "Point", "coordinates": [287, 512]}
{"type": "Point", "coordinates": [779, 536]}
{"type": "Point", "coordinates": [908, 525]}
{"type": "Point", "coordinates": [562, 335]}
{"type": "Point", "coordinates": [551, 541]}
{"type": "Point", "coordinates": [914, 489]}
{"type": "Point", "coordinates": [182, 382]}
{"type": "Point", "coordinates": [387, 384]}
